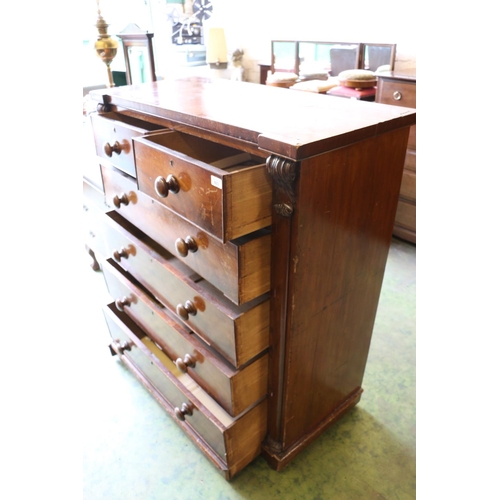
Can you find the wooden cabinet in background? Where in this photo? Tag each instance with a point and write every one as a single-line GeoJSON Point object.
{"type": "Point", "coordinates": [243, 237]}
{"type": "Point", "coordinates": [399, 88]}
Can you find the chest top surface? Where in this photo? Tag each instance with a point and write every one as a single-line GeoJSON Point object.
{"type": "Point", "coordinates": [284, 122]}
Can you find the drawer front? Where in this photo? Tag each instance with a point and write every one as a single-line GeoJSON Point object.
{"type": "Point", "coordinates": [240, 268]}
{"type": "Point", "coordinates": [93, 227]}
{"type": "Point", "coordinates": [242, 332]}
{"type": "Point", "coordinates": [235, 390]}
{"type": "Point", "coordinates": [219, 189]}
{"type": "Point", "coordinates": [93, 234]}
{"type": "Point", "coordinates": [93, 195]}
{"type": "Point", "coordinates": [411, 160]}
{"type": "Point", "coordinates": [165, 380]}
{"type": "Point", "coordinates": [408, 185]}
{"type": "Point", "coordinates": [397, 93]}
{"type": "Point", "coordinates": [406, 215]}
{"type": "Point", "coordinates": [113, 139]}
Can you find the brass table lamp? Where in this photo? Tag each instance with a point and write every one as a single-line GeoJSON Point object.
{"type": "Point", "coordinates": [105, 46]}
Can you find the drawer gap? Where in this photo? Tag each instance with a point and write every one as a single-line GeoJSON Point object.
{"type": "Point", "coordinates": [237, 162]}
{"type": "Point", "coordinates": [218, 155]}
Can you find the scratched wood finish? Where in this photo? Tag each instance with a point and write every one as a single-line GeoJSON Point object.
{"type": "Point", "coordinates": [266, 116]}
{"type": "Point", "coordinates": [229, 447]}
{"type": "Point", "coordinates": [239, 268]}
{"type": "Point", "coordinates": [339, 240]}
{"type": "Point", "coordinates": [226, 203]}
{"type": "Point", "coordinates": [239, 333]}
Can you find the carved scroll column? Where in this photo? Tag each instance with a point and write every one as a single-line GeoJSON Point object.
{"type": "Point", "coordinates": [285, 174]}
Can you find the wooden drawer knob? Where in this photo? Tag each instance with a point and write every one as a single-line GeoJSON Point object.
{"type": "Point", "coordinates": [185, 410]}
{"type": "Point", "coordinates": [119, 254]}
{"type": "Point", "coordinates": [397, 95]}
{"type": "Point", "coordinates": [164, 186]}
{"type": "Point", "coordinates": [121, 199]}
{"type": "Point", "coordinates": [183, 246]}
{"type": "Point", "coordinates": [185, 310]}
{"type": "Point", "coordinates": [122, 303]}
{"type": "Point", "coordinates": [115, 148]}
{"type": "Point", "coordinates": [118, 347]}
{"type": "Point", "coordinates": [182, 364]}
{"type": "Point", "coordinates": [124, 346]}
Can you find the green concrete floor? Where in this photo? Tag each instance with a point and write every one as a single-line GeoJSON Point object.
{"type": "Point", "coordinates": [134, 450]}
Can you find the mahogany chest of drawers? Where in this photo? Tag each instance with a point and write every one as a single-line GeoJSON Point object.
{"type": "Point", "coordinates": [400, 89]}
{"type": "Point", "coordinates": [243, 233]}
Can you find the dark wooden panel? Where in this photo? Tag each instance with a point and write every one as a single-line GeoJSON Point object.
{"type": "Point", "coordinates": [340, 240]}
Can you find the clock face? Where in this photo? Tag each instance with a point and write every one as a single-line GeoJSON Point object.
{"type": "Point", "coordinates": [202, 9]}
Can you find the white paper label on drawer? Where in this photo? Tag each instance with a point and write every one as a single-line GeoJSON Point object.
{"type": "Point", "coordinates": [216, 181]}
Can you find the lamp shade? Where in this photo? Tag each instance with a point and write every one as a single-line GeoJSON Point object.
{"type": "Point", "coordinates": [217, 48]}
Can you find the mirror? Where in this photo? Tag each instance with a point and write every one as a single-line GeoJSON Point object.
{"type": "Point", "coordinates": [344, 56]}
{"type": "Point", "coordinates": [377, 55]}
{"type": "Point", "coordinates": [284, 56]}
{"type": "Point", "coordinates": [314, 58]}
{"type": "Point", "coordinates": [305, 58]}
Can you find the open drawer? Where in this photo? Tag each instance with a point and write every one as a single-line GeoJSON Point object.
{"type": "Point", "coordinates": [239, 333]}
{"type": "Point", "coordinates": [230, 443]}
{"type": "Point", "coordinates": [219, 189]}
{"type": "Point", "coordinates": [239, 268]}
{"type": "Point", "coordinates": [234, 389]}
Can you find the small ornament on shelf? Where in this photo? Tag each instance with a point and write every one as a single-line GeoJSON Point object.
{"type": "Point", "coordinates": [238, 73]}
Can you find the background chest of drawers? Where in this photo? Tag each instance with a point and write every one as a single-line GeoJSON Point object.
{"type": "Point", "coordinates": [244, 276]}
{"type": "Point", "coordinates": [400, 89]}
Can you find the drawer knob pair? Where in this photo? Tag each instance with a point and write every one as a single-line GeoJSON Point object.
{"type": "Point", "coordinates": [122, 303]}
{"type": "Point", "coordinates": [119, 254]}
{"type": "Point", "coordinates": [185, 246]}
{"type": "Point", "coordinates": [182, 364]}
{"type": "Point", "coordinates": [183, 411]}
{"type": "Point", "coordinates": [115, 148]}
{"type": "Point", "coordinates": [121, 199]}
{"type": "Point", "coordinates": [185, 310]}
{"type": "Point", "coordinates": [164, 186]}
